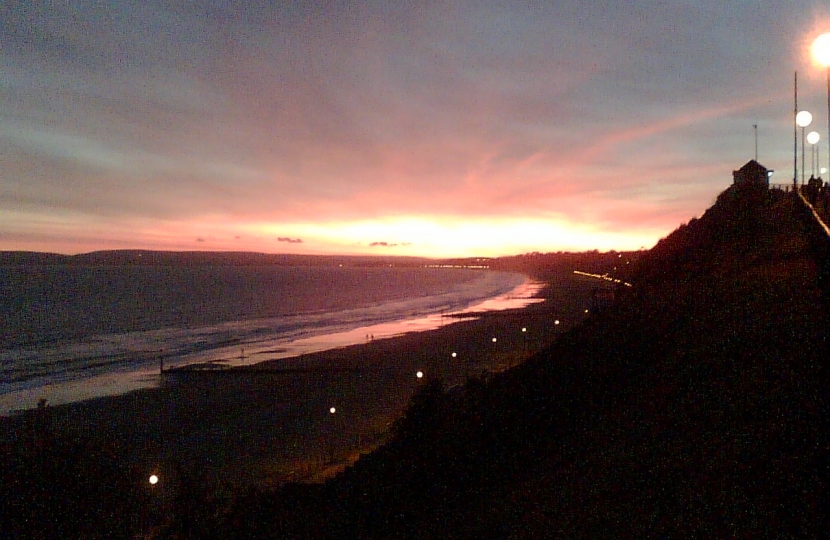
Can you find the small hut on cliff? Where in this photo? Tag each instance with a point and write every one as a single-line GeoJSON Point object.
{"type": "Point", "coordinates": [752, 174]}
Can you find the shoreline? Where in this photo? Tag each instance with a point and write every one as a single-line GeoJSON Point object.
{"type": "Point", "coordinates": [291, 360]}
{"type": "Point", "coordinates": [275, 426]}
{"type": "Point", "coordinates": [147, 375]}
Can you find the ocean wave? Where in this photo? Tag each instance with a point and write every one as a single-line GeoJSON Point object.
{"type": "Point", "coordinates": [30, 368]}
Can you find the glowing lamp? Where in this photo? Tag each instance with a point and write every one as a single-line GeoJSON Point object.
{"type": "Point", "coordinates": [821, 49]}
{"type": "Point", "coordinates": [454, 355]}
{"type": "Point", "coordinates": [524, 329]}
{"type": "Point", "coordinates": [556, 321]}
{"type": "Point", "coordinates": [494, 340]}
{"type": "Point", "coordinates": [154, 479]}
{"type": "Point", "coordinates": [420, 374]}
{"type": "Point", "coordinates": [821, 53]}
{"type": "Point", "coordinates": [803, 119]}
{"type": "Point", "coordinates": [813, 137]}
{"type": "Point", "coordinates": [332, 410]}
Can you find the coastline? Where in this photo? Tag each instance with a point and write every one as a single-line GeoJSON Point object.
{"type": "Point", "coordinates": [268, 428]}
{"type": "Point", "coordinates": [249, 344]}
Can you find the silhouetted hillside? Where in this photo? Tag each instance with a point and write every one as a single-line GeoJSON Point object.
{"type": "Point", "coordinates": [743, 229]}
{"type": "Point", "coordinates": [693, 408]}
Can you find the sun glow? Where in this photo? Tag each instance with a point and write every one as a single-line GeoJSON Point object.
{"type": "Point", "coordinates": [453, 237]}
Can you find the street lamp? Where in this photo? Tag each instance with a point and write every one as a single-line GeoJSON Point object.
{"type": "Point", "coordinates": [331, 429]}
{"type": "Point", "coordinates": [813, 137]}
{"type": "Point", "coordinates": [821, 52]}
{"type": "Point", "coordinates": [803, 119]}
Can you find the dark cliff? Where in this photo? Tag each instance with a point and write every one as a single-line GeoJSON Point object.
{"type": "Point", "coordinates": [694, 407]}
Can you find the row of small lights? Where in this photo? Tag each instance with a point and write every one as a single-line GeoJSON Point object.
{"type": "Point", "coordinates": [475, 266]}
{"type": "Point", "coordinates": [154, 478]}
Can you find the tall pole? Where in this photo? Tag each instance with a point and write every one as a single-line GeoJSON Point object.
{"type": "Point", "coordinates": [795, 132]}
{"type": "Point", "coordinates": [803, 154]}
{"type": "Point", "coordinates": [813, 162]}
{"type": "Point", "coordinates": [755, 127]}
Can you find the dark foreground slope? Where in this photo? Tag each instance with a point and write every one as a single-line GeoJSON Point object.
{"type": "Point", "coordinates": [693, 408]}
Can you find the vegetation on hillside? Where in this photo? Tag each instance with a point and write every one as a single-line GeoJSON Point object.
{"type": "Point", "coordinates": [693, 407]}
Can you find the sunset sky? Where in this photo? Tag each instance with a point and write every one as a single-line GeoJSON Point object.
{"type": "Point", "coordinates": [390, 128]}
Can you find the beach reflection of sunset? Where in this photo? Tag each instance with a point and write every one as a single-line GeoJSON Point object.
{"type": "Point", "coordinates": [519, 297]}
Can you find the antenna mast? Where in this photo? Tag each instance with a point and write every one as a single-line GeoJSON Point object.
{"type": "Point", "coordinates": [755, 126]}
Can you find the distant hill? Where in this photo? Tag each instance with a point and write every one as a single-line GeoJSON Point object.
{"type": "Point", "coordinates": [694, 407]}
{"type": "Point", "coordinates": [132, 257]}
{"type": "Point", "coordinates": [539, 264]}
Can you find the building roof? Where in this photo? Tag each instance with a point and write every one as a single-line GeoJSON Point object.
{"type": "Point", "coordinates": [752, 167]}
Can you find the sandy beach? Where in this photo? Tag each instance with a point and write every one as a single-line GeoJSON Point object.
{"type": "Point", "coordinates": [270, 423]}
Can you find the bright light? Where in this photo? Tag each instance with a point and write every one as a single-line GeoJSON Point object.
{"type": "Point", "coordinates": [332, 410]}
{"type": "Point", "coordinates": [524, 329]}
{"type": "Point", "coordinates": [804, 118]}
{"type": "Point", "coordinates": [556, 321]}
{"type": "Point", "coordinates": [586, 311]}
{"type": "Point", "coordinates": [494, 340]}
{"type": "Point", "coordinates": [454, 355]}
{"type": "Point", "coordinates": [823, 170]}
{"type": "Point", "coordinates": [420, 374]}
{"type": "Point", "coordinates": [154, 479]}
{"type": "Point", "coordinates": [821, 49]}
{"type": "Point", "coordinates": [447, 236]}
{"type": "Point", "coordinates": [813, 137]}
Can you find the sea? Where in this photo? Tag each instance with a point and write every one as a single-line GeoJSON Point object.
{"type": "Point", "coordinates": [71, 333]}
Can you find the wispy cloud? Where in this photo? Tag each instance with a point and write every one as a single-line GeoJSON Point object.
{"type": "Point", "coordinates": [149, 123]}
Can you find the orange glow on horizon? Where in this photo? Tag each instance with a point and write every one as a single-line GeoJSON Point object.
{"type": "Point", "coordinates": [453, 237]}
{"type": "Point", "coordinates": [419, 236]}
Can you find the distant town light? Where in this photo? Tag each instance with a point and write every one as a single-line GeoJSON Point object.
{"type": "Point", "coordinates": [494, 340]}
{"type": "Point", "coordinates": [420, 374]}
{"type": "Point", "coordinates": [154, 479]}
{"type": "Point", "coordinates": [454, 355]}
{"type": "Point", "coordinates": [524, 329]}
{"type": "Point", "coordinates": [803, 119]}
{"type": "Point", "coordinates": [332, 410]}
{"type": "Point", "coordinates": [556, 321]}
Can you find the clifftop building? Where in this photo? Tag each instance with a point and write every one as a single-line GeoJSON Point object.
{"type": "Point", "coordinates": [752, 174]}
